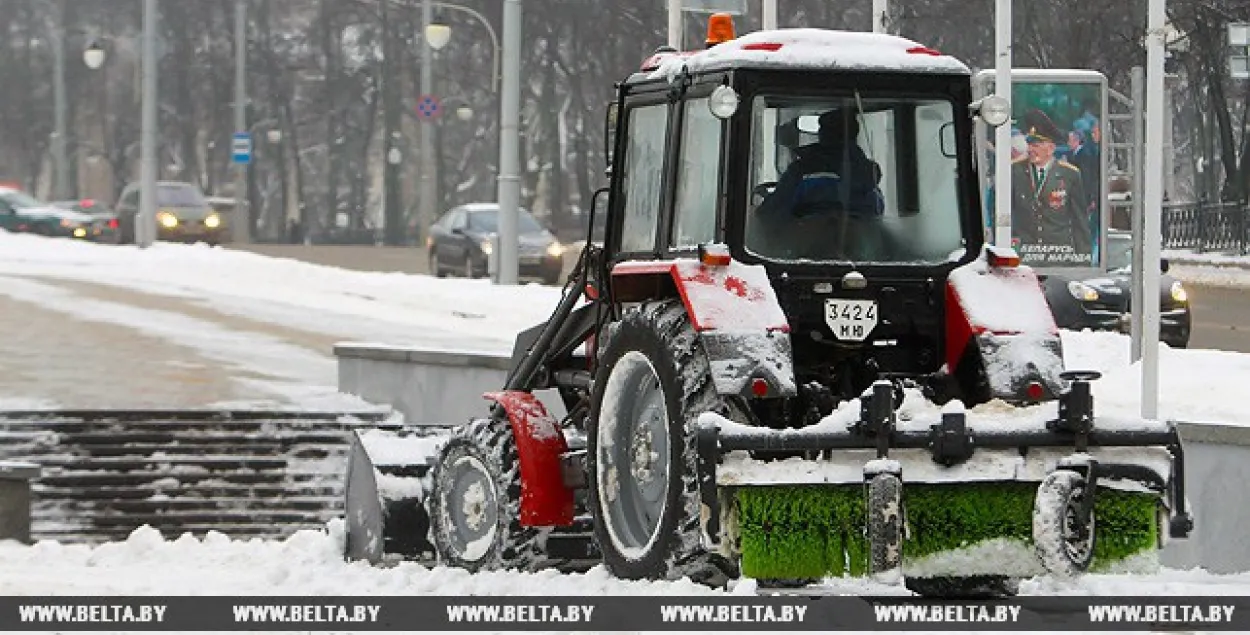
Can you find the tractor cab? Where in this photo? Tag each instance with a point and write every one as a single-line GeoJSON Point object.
{"type": "Point", "coordinates": [840, 163]}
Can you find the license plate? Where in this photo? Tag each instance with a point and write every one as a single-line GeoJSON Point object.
{"type": "Point", "coordinates": [851, 320]}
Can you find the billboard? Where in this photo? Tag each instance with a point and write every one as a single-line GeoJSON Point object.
{"type": "Point", "coordinates": [1059, 211]}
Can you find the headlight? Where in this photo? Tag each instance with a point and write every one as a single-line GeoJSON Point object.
{"type": "Point", "coordinates": [555, 250]}
{"type": "Point", "coordinates": [80, 232]}
{"type": "Point", "coordinates": [487, 247]}
{"type": "Point", "coordinates": [212, 221]}
{"type": "Point", "coordinates": [167, 220]}
{"type": "Point", "coordinates": [1178, 292]}
{"type": "Point", "coordinates": [1082, 291]}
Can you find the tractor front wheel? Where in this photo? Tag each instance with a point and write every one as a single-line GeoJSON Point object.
{"type": "Point", "coordinates": [475, 506]}
{"type": "Point", "coordinates": [653, 382]}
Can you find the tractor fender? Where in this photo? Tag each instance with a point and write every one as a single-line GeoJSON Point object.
{"type": "Point", "coordinates": [545, 499]}
{"type": "Point", "coordinates": [734, 310]}
{"type": "Point", "coordinates": [1003, 311]}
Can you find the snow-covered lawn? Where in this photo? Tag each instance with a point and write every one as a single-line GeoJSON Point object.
{"type": "Point", "coordinates": [1196, 385]}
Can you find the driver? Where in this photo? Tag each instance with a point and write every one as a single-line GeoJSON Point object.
{"type": "Point", "coordinates": [813, 183]}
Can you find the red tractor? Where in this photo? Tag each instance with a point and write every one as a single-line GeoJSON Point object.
{"type": "Point", "coordinates": [793, 260]}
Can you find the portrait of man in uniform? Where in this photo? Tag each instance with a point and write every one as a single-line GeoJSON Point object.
{"type": "Point", "coordinates": [1049, 216]}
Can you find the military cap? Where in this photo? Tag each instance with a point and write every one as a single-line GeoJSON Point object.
{"type": "Point", "coordinates": [1038, 127]}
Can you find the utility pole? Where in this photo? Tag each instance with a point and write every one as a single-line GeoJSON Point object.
{"type": "Point", "coordinates": [1002, 134]}
{"type": "Point", "coordinates": [674, 24]}
{"type": "Point", "coordinates": [392, 206]}
{"type": "Point", "coordinates": [425, 197]}
{"type": "Point", "coordinates": [881, 16]}
{"type": "Point", "coordinates": [242, 223]}
{"type": "Point", "coordinates": [145, 225]}
{"type": "Point", "coordinates": [1152, 206]}
{"type": "Point", "coordinates": [60, 184]}
{"type": "Point", "coordinates": [509, 143]}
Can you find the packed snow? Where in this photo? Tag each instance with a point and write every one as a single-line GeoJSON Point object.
{"type": "Point", "coordinates": [1196, 385]}
{"type": "Point", "coordinates": [815, 49]}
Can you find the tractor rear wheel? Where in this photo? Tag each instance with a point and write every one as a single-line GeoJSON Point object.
{"type": "Point", "coordinates": [652, 384]}
{"type": "Point", "coordinates": [475, 504]}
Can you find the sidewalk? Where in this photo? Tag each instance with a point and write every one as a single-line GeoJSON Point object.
{"type": "Point", "coordinates": [79, 345]}
{"type": "Point", "coordinates": [1207, 259]}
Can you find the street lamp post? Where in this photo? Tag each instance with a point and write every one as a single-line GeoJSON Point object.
{"type": "Point", "coordinates": [60, 187]}
{"type": "Point", "coordinates": [241, 224]}
{"type": "Point", "coordinates": [145, 225]}
{"type": "Point", "coordinates": [509, 144]}
{"type": "Point", "coordinates": [436, 37]}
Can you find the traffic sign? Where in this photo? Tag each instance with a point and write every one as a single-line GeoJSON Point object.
{"type": "Point", "coordinates": [241, 148]}
{"type": "Point", "coordinates": [428, 107]}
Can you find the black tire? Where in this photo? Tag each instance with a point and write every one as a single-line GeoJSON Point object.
{"type": "Point", "coordinates": [436, 269]}
{"type": "Point", "coordinates": [661, 334]}
{"type": "Point", "coordinates": [1063, 544]}
{"type": "Point", "coordinates": [485, 452]}
{"type": "Point", "coordinates": [885, 526]}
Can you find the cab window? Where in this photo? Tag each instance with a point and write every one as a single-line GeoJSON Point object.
{"type": "Point", "coordinates": [698, 181]}
{"type": "Point", "coordinates": [642, 176]}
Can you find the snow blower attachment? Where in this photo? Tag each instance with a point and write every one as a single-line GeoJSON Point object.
{"type": "Point", "coordinates": [797, 361]}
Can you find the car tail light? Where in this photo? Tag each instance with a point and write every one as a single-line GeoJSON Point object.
{"type": "Point", "coordinates": [113, 224]}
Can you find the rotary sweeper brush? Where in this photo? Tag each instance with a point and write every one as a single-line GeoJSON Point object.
{"type": "Point", "coordinates": [765, 366]}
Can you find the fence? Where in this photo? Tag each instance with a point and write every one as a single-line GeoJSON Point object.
{"type": "Point", "coordinates": [1206, 227]}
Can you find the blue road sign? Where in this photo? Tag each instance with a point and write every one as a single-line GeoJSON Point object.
{"type": "Point", "coordinates": [241, 148]}
{"type": "Point", "coordinates": [428, 107]}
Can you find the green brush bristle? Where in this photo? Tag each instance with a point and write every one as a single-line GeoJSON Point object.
{"type": "Point", "coordinates": [818, 531]}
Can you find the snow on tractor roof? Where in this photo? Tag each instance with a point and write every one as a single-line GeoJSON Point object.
{"type": "Point", "coordinates": [814, 49]}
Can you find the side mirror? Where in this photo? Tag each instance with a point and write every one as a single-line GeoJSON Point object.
{"type": "Point", "coordinates": [598, 210]}
{"type": "Point", "coordinates": [609, 132]}
{"type": "Point", "coordinates": [1164, 265]}
{"type": "Point", "coordinates": [459, 231]}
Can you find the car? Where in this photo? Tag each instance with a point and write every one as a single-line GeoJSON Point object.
{"type": "Point", "coordinates": [1103, 302]}
{"type": "Point", "coordinates": [21, 212]}
{"type": "Point", "coordinates": [104, 223]}
{"type": "Point", "coordinates": [462, 240]}
{"type": "Point", "coordinates": [183, 214]}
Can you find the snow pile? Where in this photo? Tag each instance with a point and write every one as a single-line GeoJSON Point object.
{"type": "Point", "coordinates": [309, 563]}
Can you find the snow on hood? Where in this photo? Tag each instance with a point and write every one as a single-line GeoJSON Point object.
{"type": "Point", "coordinates": [816, 49]}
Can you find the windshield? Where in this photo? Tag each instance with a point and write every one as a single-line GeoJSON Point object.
{"type": "Point", "coordinates": [1119, 253]}
{"type": "Point", "coordinates": [858, 178]}
{"type": "Point", "coordinates": [488, 221]}
{"type": "Point", "coordinates": [180, 196]}
{"type": "Point", "coordinates": [20, 200]}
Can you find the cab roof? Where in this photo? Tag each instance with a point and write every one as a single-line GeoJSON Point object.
{"type": "Point", "coordinates": [808, 49]}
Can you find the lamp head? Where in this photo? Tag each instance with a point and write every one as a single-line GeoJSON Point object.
{"type": "Point", "coordinates": [437, 35]}
{"type": "Point", "coordinates": [93, 56]}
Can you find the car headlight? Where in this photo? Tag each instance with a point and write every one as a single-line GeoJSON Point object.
{"type": "Point", "coordinates": [167, 220]}
{"type": "Point", "coordinates": [212, 221]}
{"type": "Point", "coordinates": [1178, 292]}
{"type": "Point", "coordinates": [80, 232]}
{"type": "Point", "coordinates": [487, 247]}
{"type": "Point", "coordinates": [1082, 291]}
{"type": "Point", "coordinates": [555, 249]}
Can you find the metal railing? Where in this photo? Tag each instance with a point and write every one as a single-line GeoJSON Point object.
{"type": "Point", "coordinates": [1202, 227]}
